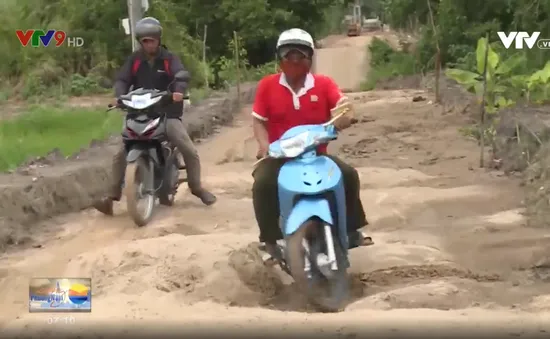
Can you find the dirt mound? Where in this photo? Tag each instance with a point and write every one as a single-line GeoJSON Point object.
{"type": "Point", "coordinates": [191, 268]}
{"type": "Point", "coordinates": [442, 295]}
{"type": "Point", "coordinates": [453, 97]}
{"type": "Point", "coordinates": [247, 262]}
{"type": "Point", "coordinates": [520, 132]}
{"type": "Point", "coordinates": [401, 82]}
{"type": "Point", "coordinates": [538, 189]}
{"type": "Point", "coordinates": [48, 188]}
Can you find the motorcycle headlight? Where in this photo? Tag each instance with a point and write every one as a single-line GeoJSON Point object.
{"type": "Point", "coordinates": [141, 101]}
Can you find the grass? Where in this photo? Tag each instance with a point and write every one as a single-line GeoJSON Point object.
{"type": "Point", "coordinates": [197, 95]}
{"type": "Point", "coordinates": [387, 63]}
{"type": "Point", "coordinates": [43, 129]}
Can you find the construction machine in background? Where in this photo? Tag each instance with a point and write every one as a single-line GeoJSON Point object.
{"type": "Point", "coordinates": [354, 21]}
{"type": "Point", "coordinates": [371, 25]}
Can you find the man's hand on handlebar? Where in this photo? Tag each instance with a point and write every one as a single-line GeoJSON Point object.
{"type": "Point", "coordinates": [115, 104]}
{"type": "Point", "coordinates": [176, 97]}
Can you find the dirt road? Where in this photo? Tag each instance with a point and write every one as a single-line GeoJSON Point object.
{"type": "Point", "coordinates": [345, 60]}
{"type": "Point", "coordinates": [451, 251]}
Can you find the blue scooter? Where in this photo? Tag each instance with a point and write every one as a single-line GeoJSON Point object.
{"type": "Point", "coordinates": [313, 215]}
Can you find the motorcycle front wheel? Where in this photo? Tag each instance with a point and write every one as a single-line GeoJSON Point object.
{"type": "Point", "coordinates": [167, 195]}
{"type": "Point", "coordinates": [171, 178]}
{"type": "Point", "coordinates": [137, 189]}
{"type": "Point", "coordinates": [326, 294]}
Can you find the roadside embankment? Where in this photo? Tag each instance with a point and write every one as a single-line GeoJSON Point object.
{"type": "Point", "coordinates": [54, 185]}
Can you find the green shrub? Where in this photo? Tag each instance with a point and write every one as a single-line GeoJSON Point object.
{"type": "Point", "coordinates": [380, 52]}
{"type": "Point", "coordinates": [387, 63]}
{"type": "Point", "coordinates": [80, 84]}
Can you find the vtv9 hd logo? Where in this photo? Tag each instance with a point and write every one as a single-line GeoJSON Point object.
{"type": "Point", "coordinates": [38, 37]}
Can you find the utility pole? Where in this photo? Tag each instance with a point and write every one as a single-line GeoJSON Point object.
{"type": "Point", "coordinates": [136, 8]}
{"type": "Point", "coordinates": [131, 23]}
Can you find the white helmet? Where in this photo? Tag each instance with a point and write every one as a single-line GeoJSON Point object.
{"type": "Point", "coordinates": [296, 37]}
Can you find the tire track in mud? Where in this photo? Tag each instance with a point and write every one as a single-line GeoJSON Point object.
{"type": "Point", "coordinates": [196, 265]}
{"type": "Point", "coordinates": [405, 274]}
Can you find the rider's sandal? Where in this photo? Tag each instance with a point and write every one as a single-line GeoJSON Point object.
{"type": "Point", "coordinates": [365, 240]}
{"type": "Point", "coordinates": [268, 258]}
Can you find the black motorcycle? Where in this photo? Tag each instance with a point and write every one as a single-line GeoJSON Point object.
{"type": "Point", "coordinates": [153, 163]}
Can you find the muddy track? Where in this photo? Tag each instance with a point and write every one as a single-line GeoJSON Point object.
{"type": "Point", "coordinates": [451, 250]}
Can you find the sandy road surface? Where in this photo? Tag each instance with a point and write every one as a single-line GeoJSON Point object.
{"type": "Point", "coordinates": [451, 250]}
{"type": "Point", "coordinates": [345, 60]}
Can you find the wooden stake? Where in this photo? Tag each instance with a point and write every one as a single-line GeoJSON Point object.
{"type": "Point", "coordinates": [437, 56]}
{"type": "Point", "coordinates": [238, 73]}
{"type": "Point", "coordinates": [482, 111]}
{"type": "Point", "coordinates": [204, 57]}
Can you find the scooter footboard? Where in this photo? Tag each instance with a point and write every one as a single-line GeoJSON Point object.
{"type": "Point", "coordinates": [305, 209]}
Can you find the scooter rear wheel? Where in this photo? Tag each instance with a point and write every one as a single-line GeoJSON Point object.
{"type": "Point", "coordinates": [327, 295]}
{"type": "Point", "coordinates": [136, 173]}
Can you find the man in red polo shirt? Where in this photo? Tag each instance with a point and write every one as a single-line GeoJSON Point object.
{"type": "Point", "coordinates": [285, 100]}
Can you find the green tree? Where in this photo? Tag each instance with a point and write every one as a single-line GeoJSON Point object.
{"type": "Point", "coordinates": [258, 22]}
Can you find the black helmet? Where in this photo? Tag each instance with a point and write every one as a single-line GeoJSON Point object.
{"type": "Point", "coordinates": [148, 27]}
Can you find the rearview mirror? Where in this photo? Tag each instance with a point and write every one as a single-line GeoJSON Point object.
{"type": "Point", "coordinates": [182, 76]}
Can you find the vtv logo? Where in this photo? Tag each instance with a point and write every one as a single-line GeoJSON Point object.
{"type": "Point", "coordinates": [39, 36]}
{"type": "Point", "coordinates": [519, 37]}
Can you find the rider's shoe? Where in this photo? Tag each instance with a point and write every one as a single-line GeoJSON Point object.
{"type": "Point", "coordinates": [206, 197]}
{"type": "Point", "coordinates": [105, 206]}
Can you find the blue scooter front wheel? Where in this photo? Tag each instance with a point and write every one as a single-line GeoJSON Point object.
{"type": "Point", "coordinates": [326, 294]}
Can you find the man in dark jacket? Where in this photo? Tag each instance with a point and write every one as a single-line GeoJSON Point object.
{"type": "Point", "coordinates": [153, 67]}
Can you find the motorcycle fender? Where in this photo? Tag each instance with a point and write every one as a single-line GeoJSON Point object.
{"type": "Point", "coordinates": [136, 153]}
{"type": "Point", "coordinates": [304, 210]}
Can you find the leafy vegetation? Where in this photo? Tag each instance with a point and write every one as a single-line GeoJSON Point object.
{"type": "Point", "coordinates": [28, 72]}
{"type": "Point", "coordinates": [49, 71]}
{"type": "Point", "coordinates": [499, 84]}
{"type": "Point", "coordinates": [504, 87]}
{"type": "Point", "coordinates": [459, 24]}
{"type": "Point", "coordinates": [387, 63]}
{"type": "Point", "coordinates": [36, 74]}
